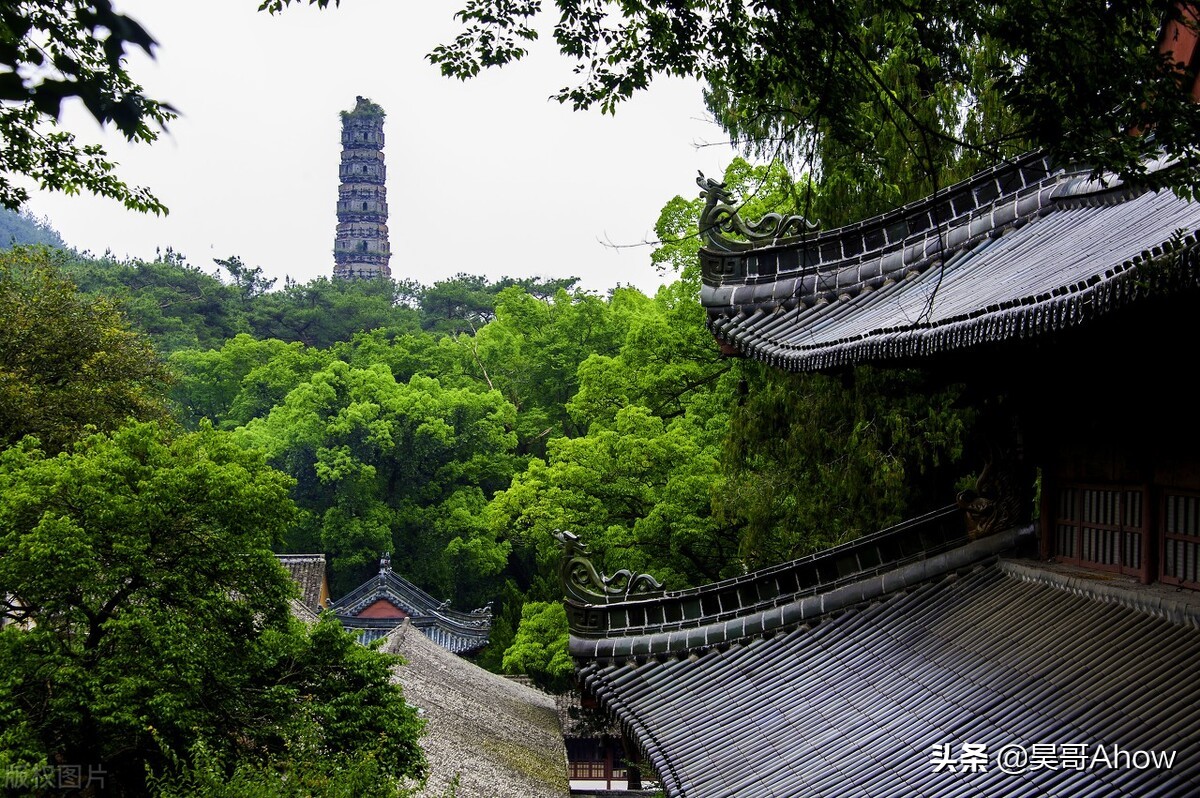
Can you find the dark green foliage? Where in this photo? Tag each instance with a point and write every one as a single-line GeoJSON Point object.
{"type": "Point", "coordinates": [346, 702]}
{"type": "Point", "coordinates": [466, 302]}
{"type": "Point", "coordinates": [22, 227]}
{"type": "Point", "coordinates": [389, 466]}
{"type": "Point", "coordinates": [67, 361]}
{"type": "Point", "coordinates": [160, 619]}
{"type": "Point", "coordinates": [462, 304]}
{"type": "Point", "coordinates": [539, 649]}
{"type": "Point", "coordinates": [923, 113]}
{"type": "Point", "coordinates": [56, 51]}
{"type": "Point", "coordinates": [242, 380]}
{"type": "Point", "coordinates": [531, 353]}
{"type": "Point", "coordinates": [249, 281]}
{"type": "Point", "coordinates": [147, 634]}
{"type": "Point", "coordinates": [176, 304]}
{"type": "Point", "coordinates": [814, 460]}
{"type": "Point", "coordinates": [326, 311]}
{"type": "Point", "coordinates": [181, 307]}
{"type": "Point", "coordinates": [634, 476]}
{"type": "Point", "coordinates": [328, 776]}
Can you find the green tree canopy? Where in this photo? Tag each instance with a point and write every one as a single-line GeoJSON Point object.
{"type": "Point", "coordinates": [531, 353]}
{"type": "Point", "coordinates": [160, 622]}
{"type": "Point", "coordinates": [67, 361]}
{"type": "Point", "coordinates": [388, 466]}
{"type": "Point", "coordinates": [813, 460]}
{"type": "Point", "coordinates": [539, 648]}
{"type": "Point", "coordinates": [325, 311]}
{"type": "Point", "coordinates": [466, 302]}
{"type": "Point", "coordinates": [242, 380]}
{"type": "Point", "coordinates": [173, 302]}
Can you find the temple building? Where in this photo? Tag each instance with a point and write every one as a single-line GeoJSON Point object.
{"type": "Point", "coordinates": [1017, 641]}
{"type": "Point", "coordinates": [361, 249]}
{"type": "Point", "coordinates": [385, 602]}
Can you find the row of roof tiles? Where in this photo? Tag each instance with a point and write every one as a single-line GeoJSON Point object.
{"type": "Point", "coordinates": [864, 702]}
{"type": "Point", "coordinates": [1053, 255]}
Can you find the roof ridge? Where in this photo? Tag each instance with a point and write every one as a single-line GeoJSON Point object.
{"type": "Point", "coordinates": [803, 610]}
{"type": "Point", "coordinates": [1153, 600]}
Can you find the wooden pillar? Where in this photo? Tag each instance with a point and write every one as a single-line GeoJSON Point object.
{"type": "Point", "coordinates": [608, 762]}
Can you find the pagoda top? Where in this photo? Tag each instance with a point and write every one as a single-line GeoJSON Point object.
{"type": "Point", "coordinates": [363, 107]}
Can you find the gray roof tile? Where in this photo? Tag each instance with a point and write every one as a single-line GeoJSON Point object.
{"type": "Point", "coordinates": [1059, 253]}
{"type": "Point", "coordinates": [1007, 654]}
{"type": "Point", "coordinates": [491, 735]}
{"type": "Point", "coordinates": [308, 571]}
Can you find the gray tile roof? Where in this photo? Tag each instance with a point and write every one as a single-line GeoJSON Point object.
{"type": "Point", "coordinates": [308, 571]}
{"type": "Point", "coordinates": [499, 737]}
{"type": "Point", "coordinates": [458, 632]}
{"type": "Point", "coordinates": [780, 596]}
{"type": "Point", "coordinates": [854, 703]}
{"type": "Point", "coordinates": [1016, 252]}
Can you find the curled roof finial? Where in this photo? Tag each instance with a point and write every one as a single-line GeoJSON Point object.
{"type": "Point", "coordinates": [719, 216]}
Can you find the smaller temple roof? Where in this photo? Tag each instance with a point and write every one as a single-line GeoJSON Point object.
{"type": "Point", "coordinates": [380, 604]}
{"type": "Point", "coordinates": [1020, 251]}
{"type": "Point", "coordinates": [489, 735]}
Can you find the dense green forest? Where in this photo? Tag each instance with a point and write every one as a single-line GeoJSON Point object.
{"type": "Point", "coordinates": [21, 227]}
{"type": "Point", "coordinates": [458, 425]}
{"type": "Point", "coordinates": [166, 426]}
{"type": "Point", "coordinates": [148, 640]}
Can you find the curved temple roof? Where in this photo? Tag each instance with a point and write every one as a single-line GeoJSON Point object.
{"type": "Point", "coordinates": [455, 631]}
{"type": "Point", "coordinates": [774, 598]}
{"type": "Point", "coordinates": [1018, 251]}
{"type": "Point", "coordinates": [888, 698]}
{"type": "Point", "coordinates": [906, 662]}
{"type": "Point", "coordinates": [849, 672]}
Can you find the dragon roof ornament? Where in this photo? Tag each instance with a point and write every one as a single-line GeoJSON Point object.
{"type": "Point", "coordinates": [583, 584]}
{"type": "Point", "coordinates": [720, 216]}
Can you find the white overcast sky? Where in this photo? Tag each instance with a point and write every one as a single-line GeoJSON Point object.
{"type": "Point", "coordinates": [486, 177]}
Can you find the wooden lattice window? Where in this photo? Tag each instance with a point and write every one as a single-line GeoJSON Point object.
{"type": "Point", "coordinates": [1180, 554]}
{"type": "Point", "coordinates": [1104, 527]}
{"type": "Point", "coordinates": [589, 770]}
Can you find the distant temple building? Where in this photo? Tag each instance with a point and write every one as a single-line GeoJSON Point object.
{"type": "Point", "coordinates": [361, 247]}
{"type": "Point", "coordinates": [383, 603]}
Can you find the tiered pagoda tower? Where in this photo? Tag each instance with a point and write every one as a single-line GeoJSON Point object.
{"type": "Point", "coordinates": [361, 247]}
